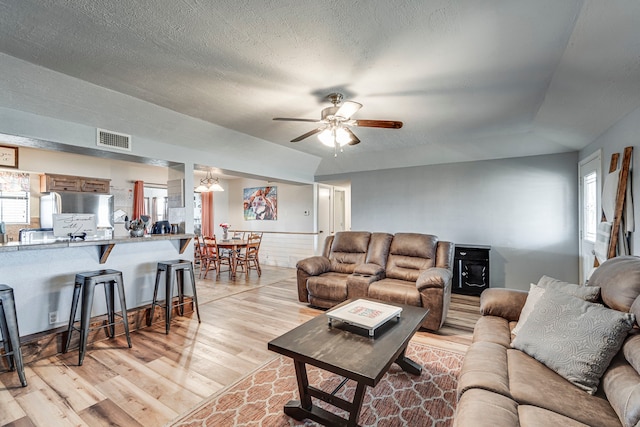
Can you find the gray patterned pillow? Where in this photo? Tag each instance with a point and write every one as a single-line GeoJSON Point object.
{"type": "Point", "coordinates": [575, 338]}
{"type": "Point", "coordinates": [587, 293]}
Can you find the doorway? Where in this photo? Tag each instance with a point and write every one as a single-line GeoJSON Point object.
{"type": "Point", "coordinates": [333, 211]}
{"type": "Point", "coordinates": [590, 183]}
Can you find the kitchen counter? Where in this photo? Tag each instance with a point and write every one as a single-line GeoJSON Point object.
{"type": "Point", "coordinates": [42, 275]}
{"type": "Point", "coordinates": [105, 246]}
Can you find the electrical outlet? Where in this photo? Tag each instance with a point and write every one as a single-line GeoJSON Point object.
{"type": "Point", "coordinates": [53, 317]}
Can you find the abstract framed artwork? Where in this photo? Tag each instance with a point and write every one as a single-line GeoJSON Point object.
{"type": "Point", "coordinates": [260, 203]}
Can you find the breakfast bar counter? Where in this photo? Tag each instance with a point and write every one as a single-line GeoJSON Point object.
{"type": "Point", "coordinates": [104, 245]}
{"type": "Point", "coordinates": [42, 274]}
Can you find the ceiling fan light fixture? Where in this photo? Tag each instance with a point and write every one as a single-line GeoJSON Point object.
{"type": "Point", "coordinates": [326, 137]}
{"type": "Point", "coordinates": [342, 136]}
{"type": "Point", "coordinates": [334, 136]}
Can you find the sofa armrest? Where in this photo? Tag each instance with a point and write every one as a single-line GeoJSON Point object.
{"type": "Point", "coordinates": [314, 265]}
{"type": "Point", "coordinates": [369, 269]}
{"type": "Point", "coordinates": [434, 277]}
{"type": "Point", "coordinates": [506, 303]}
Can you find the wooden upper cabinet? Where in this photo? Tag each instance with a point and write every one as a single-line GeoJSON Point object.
{"type": "Point", "coordinates": [52, 182]}
{"type": "Point", "coordinates": [95, 185]}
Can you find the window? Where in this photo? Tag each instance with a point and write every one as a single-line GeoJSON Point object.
{"type": "Point", "coordinates": [590, 216]}
{"type": "Point", "coordinates": [14, 198]}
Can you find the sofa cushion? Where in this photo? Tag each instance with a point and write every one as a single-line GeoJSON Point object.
{"type": "Point", "coordinates": [619, 281]}
{"type": "Point", "coordinates": [348, 250]}
{"type": "Point", "coordinates": [394, 290]}
{"type": "Point", "coordinates": [587, 293]}
{"type": "Point", "coordinates": [478, 373]}
{"type": "Point", "coordinates": [575, 338]}
{"type": "Point", "coordinates": [482, 408]}
{"type": "Point", "coordinates": [621, 384]}
{"type": "Point", "coordinates": [409, 254]}
{"type": "Point", "coordinates": [329, 286]}
{"type": "Point", "coordinates": [378, 251]}
{"type": "Point", "coordinates": [532, 416]}
{"type": "Point", "coordinates": [532, 383]}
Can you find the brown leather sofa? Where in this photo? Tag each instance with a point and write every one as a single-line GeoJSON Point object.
{"type": "Point", "coordinates": [501, 386]}
{"type": "Point", "coordinates": [406, 268]}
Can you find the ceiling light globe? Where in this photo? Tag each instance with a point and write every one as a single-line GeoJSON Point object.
{"type": "Point", "coordinates": [342, 136]}
{"type": "Point", "coordinates": [326, 137]}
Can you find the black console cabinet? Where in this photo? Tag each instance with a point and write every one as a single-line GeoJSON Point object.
{"type": "Point", "coordinates": [471, 269]}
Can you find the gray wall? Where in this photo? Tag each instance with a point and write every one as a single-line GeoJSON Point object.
{"type": "Point", "coordinates": [525, 208]}
{"type": "Point", "coordinates": [623, 134]}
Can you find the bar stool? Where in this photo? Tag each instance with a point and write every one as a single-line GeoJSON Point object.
{"type": "Point", "coordinates": [10, 333]}
{"type": "Point", "coordinates": [173, 270]}
{"type": "Point", "coordinates": [87, 283]}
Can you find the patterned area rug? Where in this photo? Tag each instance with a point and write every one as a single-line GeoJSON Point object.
{"type": "Point", "coordinates": [399, 399]}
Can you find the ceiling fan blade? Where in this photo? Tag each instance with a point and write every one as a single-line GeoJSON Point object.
{"type": "Point", "coordinates": [347, 109]}
{"type": "Point", "coordinates": [388, 124]}
{"type": "Point", "coordinates": [286, 119]}
{"type": "Point", "coordinates": [307, 135]}
{"type": "Point", "coordinates": [354, 139]}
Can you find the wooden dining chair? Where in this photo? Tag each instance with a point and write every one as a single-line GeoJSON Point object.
{"type": "Point", "coordinates": [210, 257]}
{"type": "Point", "coordinates": [248, 258]}
{"type": "Point", "coordinates": [198, 251]}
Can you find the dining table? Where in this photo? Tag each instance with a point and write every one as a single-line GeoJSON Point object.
{"type": "Point", "coordinates": [233, 245]}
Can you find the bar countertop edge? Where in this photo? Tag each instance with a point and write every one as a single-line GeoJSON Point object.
{"type": "Point", "coordinates": [17, 246]}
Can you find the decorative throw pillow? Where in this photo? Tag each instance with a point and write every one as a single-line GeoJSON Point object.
{"type": "Point", "coordinates": [575, 338]}
{"type": "Point", "coordinates": [587, 293]}
{"type": "Point", "coordinates": [535, 292]}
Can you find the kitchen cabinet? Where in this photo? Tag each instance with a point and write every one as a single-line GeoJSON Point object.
{"type": "Point", "coordinates": [53, 182]}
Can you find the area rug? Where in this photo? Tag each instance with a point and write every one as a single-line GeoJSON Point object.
{"type": "Point", "coordinates": [399, 399]}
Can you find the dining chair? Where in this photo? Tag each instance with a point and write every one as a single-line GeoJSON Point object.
{"type": "Point", "coordinates": [210, 256]}
{"type": "Point", "coordinates": [198, 252]}
{"type": "Point", "coordinates": [248, 258]}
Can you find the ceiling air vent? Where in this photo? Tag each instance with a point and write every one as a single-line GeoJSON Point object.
{"type": "Point", "coordinates": [116, 140]}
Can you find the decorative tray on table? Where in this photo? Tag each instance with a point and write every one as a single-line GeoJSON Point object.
{"type": "Point", "coordinates": [364, 314]}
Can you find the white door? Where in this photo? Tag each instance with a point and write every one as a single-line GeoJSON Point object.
{"type": "Point", "coordinates": [338, 210]}
{"type": "Point", "coordinates": [590, 178]}
{"type": "Point", "coordinates": [324, 213]}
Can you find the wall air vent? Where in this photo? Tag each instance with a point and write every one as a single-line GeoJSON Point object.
{"type": "Point", "coordinates": [116, 140]}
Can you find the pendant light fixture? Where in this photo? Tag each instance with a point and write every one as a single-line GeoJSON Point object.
{"type": "Point", "coordinates": [209, 183]}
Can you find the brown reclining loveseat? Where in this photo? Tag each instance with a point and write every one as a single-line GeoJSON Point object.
{"type": "Point", "coordinates": [406, 268]}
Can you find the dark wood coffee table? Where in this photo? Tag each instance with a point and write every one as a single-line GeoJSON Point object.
{"type": "Point", "coordinates": [349, 352]}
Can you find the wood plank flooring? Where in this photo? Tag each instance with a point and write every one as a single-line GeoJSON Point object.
{"type": "Point", "coordinates": [164, 376]}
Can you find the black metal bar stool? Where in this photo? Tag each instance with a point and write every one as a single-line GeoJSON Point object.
{"type": "Point", "coordinates": [10, 333]}
{"type": "Point", "coordinates": [87, 283]}
{"type": "Point", "coordinates": [173, 270]}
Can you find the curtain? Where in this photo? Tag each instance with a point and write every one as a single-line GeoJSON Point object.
{"type": "Point", "coordinates": [138, 200]}
{"type": "Point", "coordinates": [207, 213]}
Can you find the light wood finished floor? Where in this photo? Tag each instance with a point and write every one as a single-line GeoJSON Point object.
{"type": "Point", "coordinates": [163, 376]}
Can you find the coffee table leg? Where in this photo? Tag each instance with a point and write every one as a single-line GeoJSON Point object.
{"type": "Point", "coordinates": [408, 365]}
{"type": "Point", "coordinates": [304, 408]}
{"type": "Point", "coordinates": [303, 387]}
{"type": "Point", "coordinates": [356, 405]}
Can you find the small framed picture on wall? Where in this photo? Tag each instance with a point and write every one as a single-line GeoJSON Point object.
{"type": "Point", "coordinates": [8, 156]}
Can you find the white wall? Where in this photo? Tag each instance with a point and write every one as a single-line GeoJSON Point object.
{"type": "Point", "coordinates": [623, 134]}
{"type": "Point", "coordinates": [524, 208]}
{"type": "Point", "coordinates": [286, 240]}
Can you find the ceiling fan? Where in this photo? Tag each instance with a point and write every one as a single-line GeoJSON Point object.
{"type": "Point", "coordinates": [335, 121]}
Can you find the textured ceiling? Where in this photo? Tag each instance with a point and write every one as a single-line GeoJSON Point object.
{"type": "Point", "coordinates": [470, 79]}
